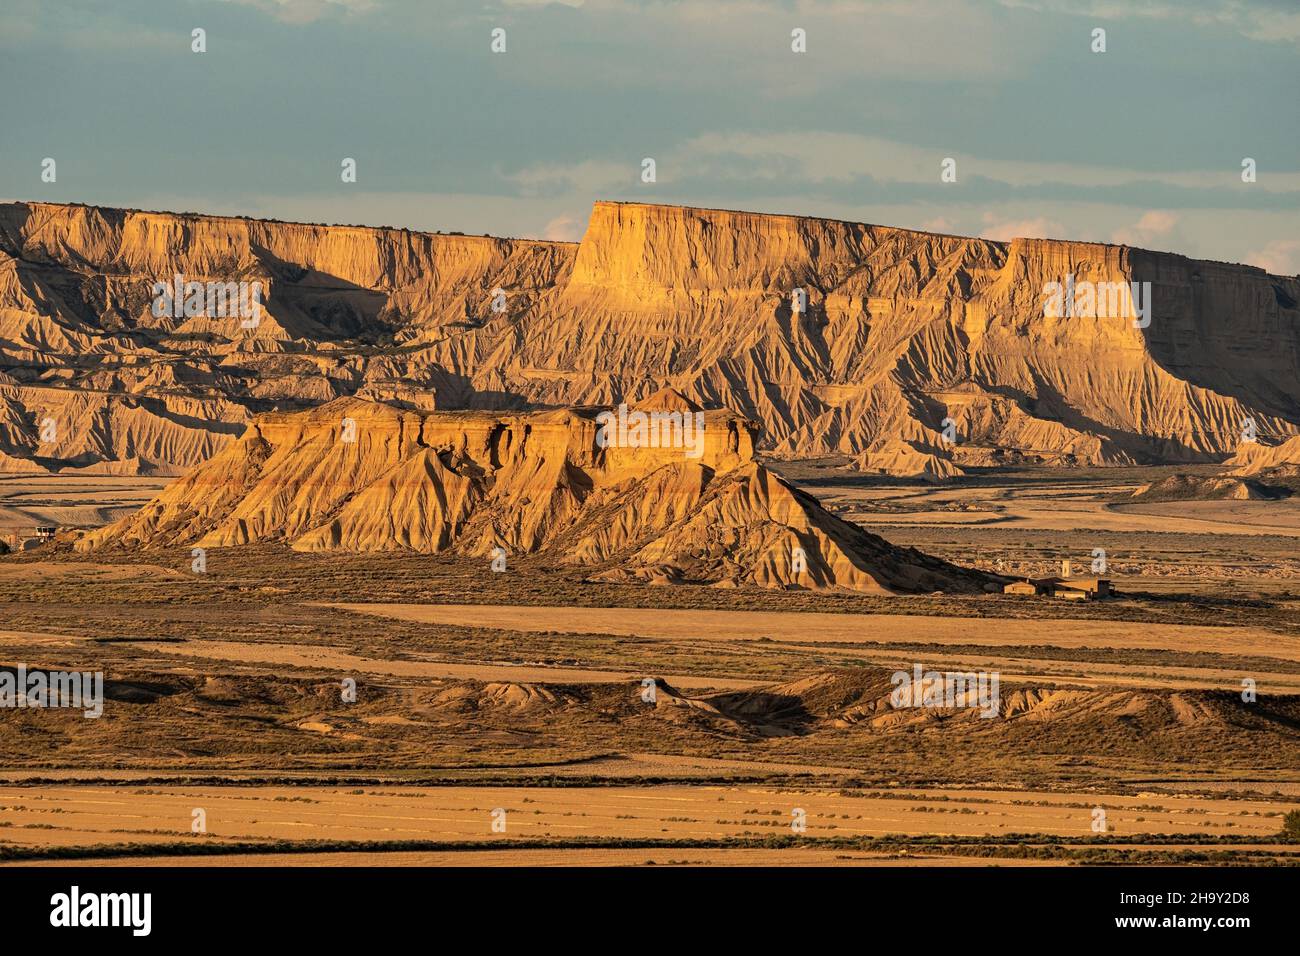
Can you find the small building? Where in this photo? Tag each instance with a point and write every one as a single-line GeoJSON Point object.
{"type": "Point", "coordinates": [27, 537]}
{"type": "Point", "coordinates": [1033, 587]}
{"type": "Point", "coordinates": [1067, 589]}
{"type": "Point", "coordinates": [1093, 587]}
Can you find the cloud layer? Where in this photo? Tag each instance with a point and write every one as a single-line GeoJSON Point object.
{"type": "Point", "coordinates": [1142, 144]}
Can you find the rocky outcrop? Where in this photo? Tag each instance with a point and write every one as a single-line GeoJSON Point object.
{"type": "Point", "coordinates": [9, 465]}
{"type": "Point", "coordinates": [1205, 488]}
{"type": "Point", "coordinates": [839, 338]}
{"type": "Point", "coordinates": [1275, 461]}
{"type": "Point", "coordinates": [876, 700]}
{"type": "Point", "coordinates": [903, 459]}
{"type": "Point", "coordinates": [358, 476]}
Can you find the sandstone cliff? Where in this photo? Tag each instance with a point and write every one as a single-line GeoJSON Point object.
{"type": "Point", "coordinates": [1253, 458]}
{"type": "Point", "coordinates": [358, 476]}
{"type": "Point", "coordinates": [839, 338]}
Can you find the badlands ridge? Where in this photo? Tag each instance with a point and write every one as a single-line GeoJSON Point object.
{"type": "Point", "coordinates": [901, 332]}
{"type": "Point", "coordinates": [359, 476]}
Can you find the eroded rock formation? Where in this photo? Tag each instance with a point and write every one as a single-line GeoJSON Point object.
{"type": "Point", "coordinates": [839, 338]}
{"type": "Point", "coordinates": [359, 476]}
{"type": "Point", "coordinates": [1267, 461]}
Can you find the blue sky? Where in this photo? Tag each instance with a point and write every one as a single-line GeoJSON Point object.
{"type": "Point", "coordinates": [1141, 144]}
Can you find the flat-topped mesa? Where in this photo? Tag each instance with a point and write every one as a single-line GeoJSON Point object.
{"type": "Point", "coordinates": [648, 247]}
{"type": "Point", "coordinates": [682, 500]}
{"type": "Point", "coordinates": [126, 243]}
{"type": "Point", "coordinates": [1156, 358]}
{"type": "Point", "coordinates": [838, 338]}
{"type": "Point", "coordinates": [635, 254]}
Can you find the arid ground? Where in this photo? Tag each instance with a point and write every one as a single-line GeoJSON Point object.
{"type": "Point", "coordinates": [534, 716]}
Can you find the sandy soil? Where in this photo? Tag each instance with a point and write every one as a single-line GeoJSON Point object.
{"type": "Point", "coordinates": [328, 658]}
{"type": "Point", "coordinates": [843, 628]}
{"type": "Point", "coordinates": [1064, 507]}
{"type": "Point", "coordinates": [73, 815]}
{"type": "Point", "coordinates": [1219, 549]}
{"type": "Point", "coordinates": [577, 856]}
{"type": "Point", "coordinates": [626, 765]}
{"type": "Point", "coordinates": [71, 500]}
{"type": "Point", "coordinates": [318, 657]}
{"type": "Point", "coordinates": [51, 571]}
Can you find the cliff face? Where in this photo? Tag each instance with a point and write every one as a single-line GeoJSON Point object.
{"type": "Point", "coordinates": [901, 330]}
{"type": "Point", "coordinates": [1256, 460]}
{"type": "Point", "coordinates": [81, 350]}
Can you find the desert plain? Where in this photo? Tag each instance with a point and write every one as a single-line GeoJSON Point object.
{"type": "Point", "coordinates": [371, 577]}
{"type": "Point", "coordinates": [519, 696]}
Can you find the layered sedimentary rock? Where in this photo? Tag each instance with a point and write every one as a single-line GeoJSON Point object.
{"type": "Point", "coordinates": [1258, 460]}
{"type": "Point", "coordinates": [838, 338]}
{"type": "Point", "coordinates": [359, 476]}
{"type": "Point", "coordinates": [915, 453]}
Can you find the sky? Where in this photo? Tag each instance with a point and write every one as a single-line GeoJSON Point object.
{"type": "Point", "coordinates": [1141, 144]}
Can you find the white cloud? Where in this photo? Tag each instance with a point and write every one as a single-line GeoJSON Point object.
{"type": "Point", "coordinates": [1267, 22]}
{"type": "Point", "coordinates": [1280, 257]}
{"type": "Point", "coordinates": [1154, 224]}
{"type": "Point", "coordinates": [938, 224]}
{"type": "Point", "coordinates": [591, 177]}
{"type": "Point", "coordinates": [746, 43]}
{"type": "Point", "coordinates": [563, 228]}
{"type": "Point", "coordinates": [472, 214]}
{"type": "Point", "coordinates": [308, 11]}
{"type": "Point", "coordinates": [1039, 227]}
{"type": "Point", "coordinates": [829, 157]}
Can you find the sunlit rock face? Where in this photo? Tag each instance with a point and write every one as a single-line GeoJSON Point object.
{"type": "Point", "coordinates": [837, 338]}
{"type": "Point", "coordinates": [689, 505]}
